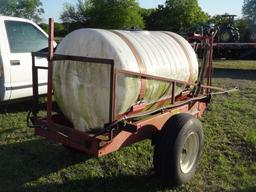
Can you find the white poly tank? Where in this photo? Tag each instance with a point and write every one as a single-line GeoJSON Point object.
{"type": "Point", "coordinates": [82, 89]}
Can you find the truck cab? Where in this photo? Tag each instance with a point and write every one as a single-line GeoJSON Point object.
{"type": "Point", "coordinates": [18, 38]}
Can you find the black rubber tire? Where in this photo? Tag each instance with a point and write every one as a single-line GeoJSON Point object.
{"type": "Point", "coordinates": [252, 36]}
{"type": "Point", "coordinates": [169, 147]}
{"type": "Point", "coordinates": [236, 36]}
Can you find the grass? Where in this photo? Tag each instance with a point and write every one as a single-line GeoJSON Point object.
{"type": "Point", "coordinates": [29, 163]}
{"type": "Point", "coordinates": [234, 64]}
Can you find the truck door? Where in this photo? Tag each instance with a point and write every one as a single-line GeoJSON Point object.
{"type": "Point", "coordinates": [4, 69]}
{"type": "Point", "coordinates": [24, 38]}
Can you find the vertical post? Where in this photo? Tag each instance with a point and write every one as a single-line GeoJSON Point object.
{"type": "Point", "coordinates": [173, 92]}
{"type": "Point", "coordinates": [113, 93]}
{"type": "Point", "coordinates": [204, 65]}
{"type": "Point", "coordinates": [35, 87]}
{"type": "Point", "coordinates": [209, 59]}
{"type": "Point", "coordinates": [50, 71]}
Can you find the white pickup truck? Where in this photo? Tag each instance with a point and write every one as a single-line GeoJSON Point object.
{"type": "Point", "coordinates": [18, 38]}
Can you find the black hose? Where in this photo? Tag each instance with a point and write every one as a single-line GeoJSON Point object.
{"type": "Point", "coordinates": [165, 108]}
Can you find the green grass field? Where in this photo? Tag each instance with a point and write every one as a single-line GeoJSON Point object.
{"type": "Point", "coordinates": [29, 163]}
{"type": "Point", "coordinates": [231, 64]}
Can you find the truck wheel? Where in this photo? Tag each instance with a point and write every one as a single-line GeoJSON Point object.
{"type": "Point", "coordinates": [178, 149]}
{"type": "Point", "coordinates": [236, 37]}
{"type": "Point", "coordinates": [226, 35]}
{"type": "Point", "coordinates": [252, 36]}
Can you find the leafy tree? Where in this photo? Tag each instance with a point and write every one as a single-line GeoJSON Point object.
{"type": "Point", "coordinates": [29, 9]}
{"type": "Point", "coordinates": [114, 14]}
{"type": "Point", "coordinates": [249, 9]}
{"type": "Point", "coordinates": [73, 14]}
{"type": "Point", "coordinates": [183, 14]}
{"type": "Point", "coordinates": [44, 26]}
{"type": "Point", "coordinates": [59, 29]}
{"type": "Point", "coordinates": [249, 12]}
{"type": "Point", "coordinates": [219, 20]}
{"type": "Point", "coordinates": [147, 14]}
{"type": "Point", "coordinates": [154, 18]}
{"type": "Point", "coordinates": [243, 25]}
{"type": "Point", "coordinates": [176, 15]}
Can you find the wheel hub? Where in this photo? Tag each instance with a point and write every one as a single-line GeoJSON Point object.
{"type": "Point", "coordinates": [189, 152]}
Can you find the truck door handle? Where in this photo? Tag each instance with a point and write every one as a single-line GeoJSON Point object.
{"type": "Point", "coordinates": [15, 62]}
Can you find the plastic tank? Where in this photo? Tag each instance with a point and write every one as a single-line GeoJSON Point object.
{"type": "Point", "coordinates": [82, 89]}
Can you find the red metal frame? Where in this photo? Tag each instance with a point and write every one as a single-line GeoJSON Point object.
{"type": "Point", "coordinates": [123, 129]}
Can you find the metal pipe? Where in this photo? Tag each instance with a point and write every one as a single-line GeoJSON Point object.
{"type": "Point", "coordinates": [225, 91]}
{"type": "Point", "coordinates": [112, 105]}
{"type": "Point", "coordinates": [173, 92]}
{"type": "Point", "coordinates": [59, 57]}
{"type": "Point", "coordinates": [35, 87]}
{"type": "Point", "coordinates": [153, 77]}
{"type": "Point", "coordinates": [50, 71]}
{"type": "Point", "coordinates": [39, 67]}
{"type": "Point", "coordinates": [167, 107]}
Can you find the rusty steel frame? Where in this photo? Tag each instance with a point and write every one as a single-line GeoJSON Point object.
{"type": "Point", "coordinates": [124, 131]}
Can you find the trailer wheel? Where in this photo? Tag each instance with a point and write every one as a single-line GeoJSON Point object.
{"type": "Point", "coordinates": [178, 149]}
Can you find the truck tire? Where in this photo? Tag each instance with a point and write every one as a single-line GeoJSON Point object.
{"type": "Point", "coordinates": [252, 36]}
{"type": "Point", "coordinates": [178, 149]}
{"type": "Point", "coordinates": [236, 36]}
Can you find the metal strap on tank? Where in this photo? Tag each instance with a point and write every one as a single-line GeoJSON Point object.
{"type": "Point", "coordinates": [187, 55]}
{"type": "Point", "coordinates": [139, 61]}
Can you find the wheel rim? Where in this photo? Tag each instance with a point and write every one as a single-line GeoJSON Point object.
{"type": "Point", "coordinates": [225, 36]}
{"type": "Point", "coordinates": [189, 152]}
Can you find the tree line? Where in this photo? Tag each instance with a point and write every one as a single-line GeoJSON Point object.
{"type": "Point", "coordinates": [173, 15]}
